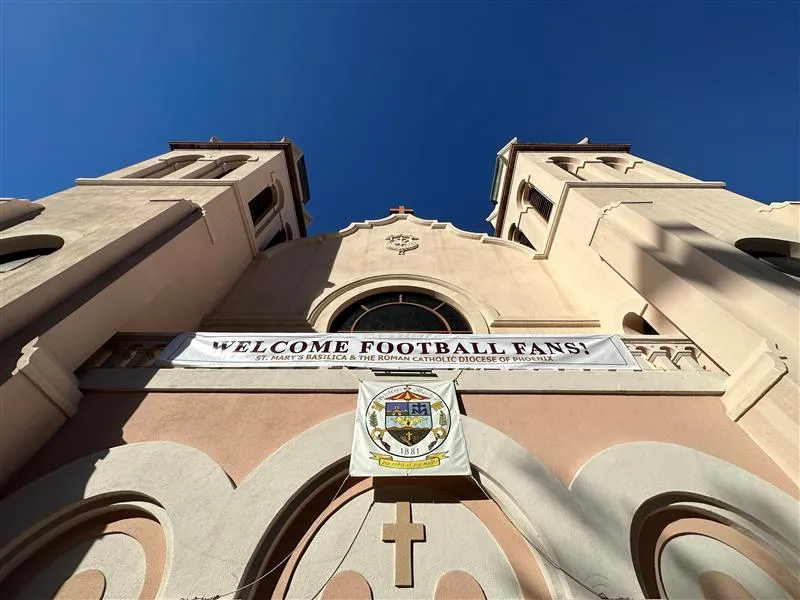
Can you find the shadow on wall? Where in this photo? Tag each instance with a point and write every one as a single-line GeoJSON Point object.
{"type": "Point", "coordinates": [62, 555]}
{"type": "Point", "coordinates": [645, 275]}
{"type": "Point", "coordinates": [387, 490]}
{"type": "Point", "coordinates": [732, 258]}
{"type": "Point", "coordinates": [82, 436]}
{"type": "Point", "coordinates": [13, 345]}
{"type": "Point", "coordinates": [276, 292]}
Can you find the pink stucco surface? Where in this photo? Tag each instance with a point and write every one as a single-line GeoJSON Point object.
{"type": "Point", "coordinates": [240, 430]}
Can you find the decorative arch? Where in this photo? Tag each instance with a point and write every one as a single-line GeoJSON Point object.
{"type": "Point", "coordinates": [661, 477]}
{"type": "Point", "coordinates": [164, 166]}
{"type": "Point", "coordinates": [170, 482]}
{"type": "Point", "coordinates": [94, 536]}
{"type": "Point", "coordinates": [615, 162]}
{"type": "Point", "coordinates": [522, 195]}
{"type": "Point", "coordinates": [585, 528]}
{"type": "Point", "coordinates": [220, 167]}
{"type": "Point", "coordinates": [512, 233]}
{"type": "Point", "coordinates": [567, 163]}
{"type": "Point", "coordinates": [478, 313]}
{"type": "Point", "coordinates": [265, 205]}
{"type": "Point", "coordinates": [400, 311]}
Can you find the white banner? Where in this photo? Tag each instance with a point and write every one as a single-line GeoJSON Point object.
{"type": "Point", "coordinates": [398, 351]}
{"type": "Point", "coordinates": [408, 430]}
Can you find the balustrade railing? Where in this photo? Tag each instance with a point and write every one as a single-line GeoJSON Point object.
{"type": "Point", "coordinates": [662, 353]}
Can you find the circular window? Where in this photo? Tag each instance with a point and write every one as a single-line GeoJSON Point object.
{"type": "Point", "coordinates": [18, 251]}
{"type": "Point", "coordinates": [400, 311]}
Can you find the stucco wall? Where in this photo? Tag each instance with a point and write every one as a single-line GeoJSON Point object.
{"type": "Point", "coordinates": [239, 431]}
{"type": "Point", "coordinates": [501, 280]}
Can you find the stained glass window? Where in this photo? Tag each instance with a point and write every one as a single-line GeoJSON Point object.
{"type": "Point", "coordinates": [400, 311]}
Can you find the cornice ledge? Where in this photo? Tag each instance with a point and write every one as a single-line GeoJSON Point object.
{"type": "Point", "coordinates": [353, 228]}
{"type": "Point", "coordinates": [536, 323]}
{"type": "Point", "coordinates": [372, 223]}
{"type": "Point", "coordinates": [605, 210]}
{"type": "Point", "coordinates": [778, 205]}
{"type": "Point", "coordinates": [256, 322]}
{"type": "Point", "coordinates": [314, 379]}
{"type": "Point", "coordinates": [43, 370]}
{"type": "Point", "coordinates": [646, 184]}
{"type": "Point", "coordinates": [155, 182]}
{"type": "Point", "coordinates": [756, 376]}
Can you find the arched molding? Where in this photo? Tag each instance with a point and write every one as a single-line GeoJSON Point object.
{"type": "Point", "coordinates": [618, 163]}
{"type": "Point", "coordinates": [16, 550]}
{"type": "Point", "coordinates": [584, 531]}
{"type": "Point", "coordinates": [280, 194]}
{"type": "Point", "coordinates": [212, 530]}
{"type": "Point", "coordinates": [172, 482]}
{"type": "Point", "coordinates": [570, 164]}
{"type": "Point", "coordinates": [615, 484]}
{"type": "Point", "coordinates": [522, 195]}
{"type": "Point", "coordinates": [478, 312]}
{"type": "Point", "coordinates": [512, 233]}
{"type": "Point", "coordinates": [209, 165]}
{"type": "Point", "coordinates": [365, 486]}
{"type": "Point", "coordinates": [164, 165]}
{"type": "Point", "coordinates": [709, 525]}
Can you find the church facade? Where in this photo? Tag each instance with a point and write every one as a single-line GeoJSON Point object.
{"type": "Point", "coordinates": [129, 471]}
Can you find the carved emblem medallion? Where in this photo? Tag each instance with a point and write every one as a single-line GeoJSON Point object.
{"type": "Point", "coordinates": [402, 242]}
{"type": "Point", "coordinates": [408, 424]}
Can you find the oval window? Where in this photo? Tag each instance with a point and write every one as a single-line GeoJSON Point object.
{"type": "Point", "coordinates": [16, 252]}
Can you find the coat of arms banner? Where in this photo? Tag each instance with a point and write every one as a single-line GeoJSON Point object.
{"type": "Point", "coordinates": [405, 429]}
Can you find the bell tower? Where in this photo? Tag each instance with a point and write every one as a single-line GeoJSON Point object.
{"type": "Point", "coordinates": [661, 252]}
{"type": "Point", "coordinates": [149, 247]}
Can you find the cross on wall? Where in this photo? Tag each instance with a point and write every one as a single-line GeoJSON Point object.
{"type": "Point", "coordinates": [403, 533]}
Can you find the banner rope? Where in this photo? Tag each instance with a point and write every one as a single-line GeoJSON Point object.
{"type": "Point", "coordinates": [356, 377]}
{"type": "Point", "coordinates": [350, 547]}
{"type": "Point", "coordinates": [288, 556]}
{"type": "Point", "coordinates": [536, 548]}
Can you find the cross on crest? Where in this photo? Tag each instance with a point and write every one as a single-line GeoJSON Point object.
{"type": "Point", "coordinates": [401, 210]}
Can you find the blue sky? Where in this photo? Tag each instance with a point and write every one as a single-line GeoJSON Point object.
{"type": "Point", "coordinates": [401, 102]}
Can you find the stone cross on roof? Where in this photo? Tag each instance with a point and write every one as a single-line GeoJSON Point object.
{"type": "Point", "coordinates": [401, 210]}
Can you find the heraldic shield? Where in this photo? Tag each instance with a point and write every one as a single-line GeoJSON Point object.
{"type": "Point", "coordinates": [408, 422]}
{"type": "Point", "coordinates": [410, 428]}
